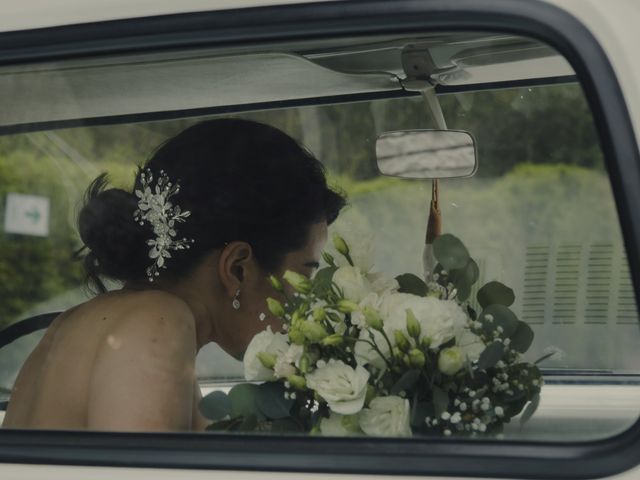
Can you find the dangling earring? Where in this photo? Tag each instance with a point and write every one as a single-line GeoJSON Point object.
{"type": "Point", "coordinates": [236, 301]}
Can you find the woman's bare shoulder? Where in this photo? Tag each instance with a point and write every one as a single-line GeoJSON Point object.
{"type": "Point", "coordinates": [150, 319]}
{"type": "Point", "coordinates": [147, 359]}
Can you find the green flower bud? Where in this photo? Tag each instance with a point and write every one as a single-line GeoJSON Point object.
{"type": "Point", "coordinates": [296, 336]}
{"type": "Point", "coordinates": [300, 283]}
{"type": "Point", "coordinates": [328, 258]}
{"type": "Point", "coordinates": [401, 341]}
{"type": "Point", "coordinates": [297, 317]}
{"type": "Point", "coordinates": [319, 314]}
{"type": "Point", "coordinates": [372, 318]}
{"type": "Point", "coordinates": [425, 342]}
{"type": "Point", "coordinates": [314, 332]}
{"type": "Point", "coordinates": [347, 306]}
{"type": "Point", "coordinates": [335, 339]}
{"type": "Point", "coordinates": [275, 283]}
{"type": "Point", "coordinates": [304, 363]}
{"type": "Point", "coordinates": [268, 360]}
{"type": "Point", "coordinates": [297, 381]}
{"type": "Point", "coordinates": [406, 360]}
{"type": "Point", "coordinates": [451, 360]}
{"type": "Point", "coordinates": [275, 307]}
{"type": "Point", "coordinates": [413, 326]}
{"type": "Point", "coordinates": [416, 358]}
{"type": "Point", "coordinates": [396, 352]}
{"type": "Point", "coordinates": [340, 244]}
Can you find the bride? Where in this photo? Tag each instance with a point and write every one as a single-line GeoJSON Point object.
{"type": "Point", "coordinates": [216, 210]}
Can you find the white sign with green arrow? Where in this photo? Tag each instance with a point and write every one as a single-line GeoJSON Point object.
{"type": "Point", "coordinates": [27, 214]}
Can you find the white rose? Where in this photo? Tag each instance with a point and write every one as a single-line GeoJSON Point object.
{"type": "Point", "coordinates": [352, 282]}
{"type": "Point", "coordinates": [386, 417]}
{"type": "Point", "coordinates": [342, 387]}
{"type": "Point", "coordinates": [265, 341]}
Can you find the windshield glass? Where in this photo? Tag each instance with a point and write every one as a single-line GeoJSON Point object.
{"type": "Point", "coordinates": [538, 215]}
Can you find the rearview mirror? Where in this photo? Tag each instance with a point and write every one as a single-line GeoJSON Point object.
{"type": "Point", "coordinates": [426, 154]}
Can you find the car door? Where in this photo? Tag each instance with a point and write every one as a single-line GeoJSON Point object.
{"type": "Point", "coordinates": [547, 89]}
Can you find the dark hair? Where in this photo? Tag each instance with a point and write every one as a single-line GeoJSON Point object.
{"type": "Point", "coordinates": [241, 180]}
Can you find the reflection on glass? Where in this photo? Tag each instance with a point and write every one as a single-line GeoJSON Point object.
{"type": "Point", "coordinates": [426, 154]}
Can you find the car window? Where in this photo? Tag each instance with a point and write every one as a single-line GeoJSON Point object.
{"type": "Point", "coordinates": [538, 214]}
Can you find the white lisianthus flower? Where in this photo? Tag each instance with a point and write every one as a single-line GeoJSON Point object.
{"type": "Point", "coordinates": [470, 343]}
{"type": "Point", "coordinates": [265, 341]}
{"type": "Point", "coordinates": [342, 387]}
{"type": "Point", "coordinates": [367, 355]}
{"type": "Point", "coordinates": [372, 300]}
{"type": "Point", "coordinates": [352, 282]}
{"type": "Point", "coordinates": [386, 417]}
{"type": "Point", "coordinates": [339, 425]}
{"type": "Point", "coordinates": [360, 244]}
{"type": "Point", "coordinates": [286, 363]}
{"type": "Point", "coordinates": [381, 284]}
{"type": "Point", "coordinates": [440, 320]}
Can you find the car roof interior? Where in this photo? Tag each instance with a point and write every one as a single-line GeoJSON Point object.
{"type": "Point", "coordinates": [39, 96]}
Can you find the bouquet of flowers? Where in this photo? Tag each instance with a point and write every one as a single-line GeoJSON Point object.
{"type": "Point", "coordinates": [362, 354]}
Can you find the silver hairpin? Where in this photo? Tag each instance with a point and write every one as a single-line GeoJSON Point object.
{"type": "Point", "coordinates": [154, 207]}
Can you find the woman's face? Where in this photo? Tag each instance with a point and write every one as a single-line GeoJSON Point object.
{"type": "Point", "coordinates": [253, 299]}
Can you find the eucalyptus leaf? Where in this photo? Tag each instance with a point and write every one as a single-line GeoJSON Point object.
{"type": "Point", "coordinates": [215, 405]}
{"type": "Point", "coordinates": [224, 425]}
{"type": "Point", "coordinates": [249, 423]}
{"type": "Point", "coordinates": [450, 252]}
{"type": "Point", "coordinates": [497, 315]}
{"type": "Point", "coordinates": [410, 283]}
{"type": "Point", "coordinates": [440, 401]}
{"type": "Point", "coordinates": [464, 278]}
{"type": "Point", "coordinates": [271, 401]}
{"type": "Point", "coordinates": [495, 293]}
{"type": "Point", "coordinates": [522, 339]}
{"type": "Point", "coordinates": [406, 381]}
{"type": "Point", "coordinates": [530, 409]}
{"type": "Point", "coordinates": [463, 289]}
{"type": "Point", "coordinates": [491, 355]}
{"type": "Point", "coordinates": [243, 400]}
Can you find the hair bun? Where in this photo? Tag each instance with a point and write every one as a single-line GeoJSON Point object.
{"type": "Point", "coordinates": [116, 242]}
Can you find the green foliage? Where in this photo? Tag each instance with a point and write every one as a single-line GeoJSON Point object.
{"type": "Point", "coordinates": [450, 252]}
{"type": "Point", "coordinates": [410, 283]}
{"type": "Point", "coordinates": [215, 406]}
{"type": "Point", "coordinates": [495, 292]}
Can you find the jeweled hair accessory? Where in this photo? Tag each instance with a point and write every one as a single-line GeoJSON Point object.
{"type": "Point", "coordinates": [154, 207]}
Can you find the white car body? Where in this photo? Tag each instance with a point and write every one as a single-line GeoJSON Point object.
{"type": "Point", "coordinates": [614, 23]}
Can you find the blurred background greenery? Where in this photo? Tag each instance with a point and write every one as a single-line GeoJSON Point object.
{"type": "Point", "coordinates": [541, 179]}
{"type": "Point", "coordinates": [516, 130]}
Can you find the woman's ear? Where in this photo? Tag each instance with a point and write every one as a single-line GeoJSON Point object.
{"type": "Point", "coordinates": [233, 266]}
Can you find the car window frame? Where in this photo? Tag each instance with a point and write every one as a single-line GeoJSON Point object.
{"type": "Point", "coordinates": [429, 456]}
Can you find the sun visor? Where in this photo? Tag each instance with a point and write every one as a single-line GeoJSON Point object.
{"type": "Point", "coordinates": [40, 94]}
